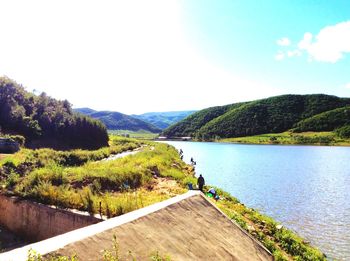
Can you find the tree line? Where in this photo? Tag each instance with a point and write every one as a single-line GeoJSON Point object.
{"type": "Point", "coordinates": [271, 115]}
{"type": "Point", "coordinates": [45, 121]}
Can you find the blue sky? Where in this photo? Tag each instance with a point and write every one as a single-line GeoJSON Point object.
{"type": "Point", "coordinates": [242, 35]}
{"type": "Point", "coordinates": [139, 56]}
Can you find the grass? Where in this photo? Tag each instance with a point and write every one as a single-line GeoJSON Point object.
{"type": "Point", "coordinates": [303, 138]}
{"type": "Point", "coordinates": [79, 180]}
{"type": "Point", "coordinates": [107, 255]}
{"type": "Point", "coordinates": [143, 135]}
{"type": "Point", "coordinates": [281, 242]}
{"type": "Point", "coordinates": [43, 157]}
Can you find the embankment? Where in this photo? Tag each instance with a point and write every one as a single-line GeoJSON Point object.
{"type": "Point", "coordinates": [33, 221]}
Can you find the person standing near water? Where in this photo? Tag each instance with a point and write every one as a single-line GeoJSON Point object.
{"type": "Point", "coordinates": [200, 182]}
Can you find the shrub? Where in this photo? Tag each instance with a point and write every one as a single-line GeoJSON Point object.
{"type": "Point", "coordinates": [19, 139]}
{"type": "Point", "coordinates": [343, 132]}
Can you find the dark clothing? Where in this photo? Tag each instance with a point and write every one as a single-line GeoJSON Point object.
{"type": "Point", "coordinates": [200, 182]}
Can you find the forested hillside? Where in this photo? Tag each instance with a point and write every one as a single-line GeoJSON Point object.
{"type": "Point", "coordinates": [44, 121]}
{"type": "Point", "coordinates": [119, 121]}
{"type": "Point", "coordinates": [194, 122]}
{"type": "Point", "coordinates": [271, 115]}
{"type": "Point", "coordinates": [325, 121]}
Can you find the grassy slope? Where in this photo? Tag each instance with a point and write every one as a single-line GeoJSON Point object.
{"type": "Point", "coordinates": [282, 243]}
{"type": "Point", "coordinates": [304, 138]}
{"type": "Point", "coordinates": [82, 183]}
{"type": "Point", "coordinates": [142, 135]}
{"type": "Point", "coordinates": [76, 180]}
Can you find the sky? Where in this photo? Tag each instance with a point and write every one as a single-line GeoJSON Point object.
{"type": "Point", "coordinates": [140, 56]}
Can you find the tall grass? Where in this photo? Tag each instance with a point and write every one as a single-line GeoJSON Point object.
{"type": "Point", "coordinates": [310, 138]}
{"type": "Point", "coordinates": [109, 187]}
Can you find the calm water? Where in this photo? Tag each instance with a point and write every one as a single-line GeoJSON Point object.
{"type": "Point", "coordinates": [307, 188]}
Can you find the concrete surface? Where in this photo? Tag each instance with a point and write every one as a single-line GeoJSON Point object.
{"type": "Point", "coordinates": [186, 227]}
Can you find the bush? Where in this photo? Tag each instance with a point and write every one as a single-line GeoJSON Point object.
{"type": "Point", "coordinates": [19, 139]}
{"type": "Point", "coordinates": [343, 132]}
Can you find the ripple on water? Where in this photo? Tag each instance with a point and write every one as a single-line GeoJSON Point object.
{"type": "Point", "coordinates": [304, 187]}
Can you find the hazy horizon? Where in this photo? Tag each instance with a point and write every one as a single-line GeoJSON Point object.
{"type": "Point", "coordinates": [157, 56]}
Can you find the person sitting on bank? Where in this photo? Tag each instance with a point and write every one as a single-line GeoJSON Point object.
{"type": "Point", "coordinates": [212, 192]}
{"type": "Point", "coordinates": [200, 182]}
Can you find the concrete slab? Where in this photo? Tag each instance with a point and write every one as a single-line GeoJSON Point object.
{"type": "Point", "coordinates": [187, 227]}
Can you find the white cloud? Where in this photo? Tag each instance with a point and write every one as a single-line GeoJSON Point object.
{"type": "Point", "coordinates": [347, 85]}
{"type": "Point", "coordinates": [305, 43]}
{"type": "Point", "coordinates": [283, 41]}
{"type": "Point", "coordinates": [329, 45]}
{"type": "Point", "coordinates": [293, 53]}
{"type": "Point", "coordinates": [280, 56]}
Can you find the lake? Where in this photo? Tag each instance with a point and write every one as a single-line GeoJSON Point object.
{"type": "Point", "coordinates": [306, 188]}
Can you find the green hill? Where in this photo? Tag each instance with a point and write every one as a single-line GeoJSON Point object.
{"type": "Point", "coordinates": [46, 122]}
{"type": "Point", "coordinates": [119, 121]}
{"type": "Point", "coordinates": [271, 115]}
{"type": "Point", "coordinates": [163, 120]}
{"type": "Point", "coordinates": [189, 125]}
{"type": "Point", "coordinates": [325, 121]}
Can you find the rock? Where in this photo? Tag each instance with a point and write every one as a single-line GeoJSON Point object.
{"type": "Point", "coordinates": [250, 228]}
{"type": "Point", "coordinates": [279, 227]}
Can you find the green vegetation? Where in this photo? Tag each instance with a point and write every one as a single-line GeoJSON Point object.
{"type": "Point", "coordinates": [46, 122]}
{"type": "Point", "coordinates": [108, 255]}
{"type": "Point", "coordinates": [120, 121]}
{"type": "Point", "coordinates": [75, 179]}
{"type": "Point", "coordinates": [194, 122]}
{"type": "Point", "coordinates": [34, 256]}
{"type": "Point", "coordinates": [326, 121]}
{"type": "Point", "coordinates": [282, 243]}
{"type": "Point", "coordinates": [343, 132]}
{"type": "Point", "coordinates": [79, 179]}
{"type": "Point", "coordinates": [163, 120]}
{"type": "Point", "coordinates": [304, 138]}
{"type": "Point", "coordinates": [271, 115]}
{"type": "Point", "coordinates": [143, 135]}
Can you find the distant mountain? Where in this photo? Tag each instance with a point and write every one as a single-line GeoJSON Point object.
{"type": "Point", "coordinates": [271, 115]}
{"type": "Point", "coordinates": [85, 110]}
{"type": "Point", "coordinates": [119, 121]}
{"type": "Point", "coordinates": [163, 120]}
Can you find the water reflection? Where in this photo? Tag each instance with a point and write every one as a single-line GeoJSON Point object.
{"type": "Point", "coordinates": [304, 187]}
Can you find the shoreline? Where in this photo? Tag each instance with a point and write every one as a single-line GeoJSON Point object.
{"type": "Point", "coordinates": [284, 138]}
{"type": "Point", "coordinates": [280, 242]}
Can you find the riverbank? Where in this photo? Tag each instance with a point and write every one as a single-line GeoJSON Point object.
{"type": "Point", "coordinates": [119, 186]}
{"type": "Point", "coordinates": [291, 138]}
{"type": "Point", "coordinates": [279, 240]}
